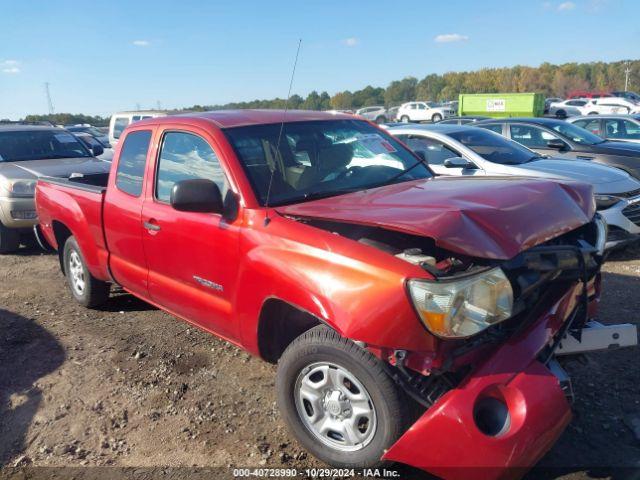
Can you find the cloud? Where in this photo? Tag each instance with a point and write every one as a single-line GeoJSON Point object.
{"type": "Point", "coordinates": [450, 38]}
{"type": "Point", "coordinates": [10, 66]}
{"type": "Point", "coordinates": [141, 43]}
{"type": "Point", "coordinates": [566, 6]}
{"type": "Point", "coordinates": [351, 41]}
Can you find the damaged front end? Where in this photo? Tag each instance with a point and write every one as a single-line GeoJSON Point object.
{"type": "Point", "coordinates": [494, 397]}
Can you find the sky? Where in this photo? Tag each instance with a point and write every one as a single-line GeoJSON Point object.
{"type": "Point", "coordinates": [101, 57]}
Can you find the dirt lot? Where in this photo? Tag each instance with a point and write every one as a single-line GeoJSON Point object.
{"type": "Point", "coordinates": [131, 386]}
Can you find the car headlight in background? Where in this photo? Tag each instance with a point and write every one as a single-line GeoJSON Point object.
{"type": "Point", "coordinates": [461, 308]}
{"type": "Point", "coordinates": [602, 231]}
{"type": "Point", "coordinates": [605, 201]}
{"type": "Point", "coordinates": [21, 188]}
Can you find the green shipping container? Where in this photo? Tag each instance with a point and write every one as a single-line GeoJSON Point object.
{"type": "Point", "coordinates": [501, 104]}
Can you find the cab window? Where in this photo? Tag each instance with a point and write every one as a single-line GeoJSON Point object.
{"type": "Point", "coordinates": [494, 127]}
{"type": "Point", "coordinates": [133, 158]}
{"type": "Point", "coordinates": [185, 156]}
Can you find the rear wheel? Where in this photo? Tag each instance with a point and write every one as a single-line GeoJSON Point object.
{"type": "Point", "coordinates": [593, 113]}
{"type": "Point", "coordinates": [561, 114]}
{"type": "Point", "coordinates": [381, 119]}
{"type": "Point", "coordinates": [405, 119]}
{"type": "Point", "coordinates": [436, 117]}
{"type": "Point", "coordinates": [339, 400]}
{"type": "Point", "coordinates": [85, 288]}
{"type": "Point", "coordinates": [9, 239]}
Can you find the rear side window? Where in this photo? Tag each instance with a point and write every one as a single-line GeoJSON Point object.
{"type": "Point", "coordinates": [494, 127]}
{"type": "Point", "coordinates": [119, 125]}
{"type": "Point", "coordinates": [133, 158]}
{"type": "Point", "coordinates": [185, 156]}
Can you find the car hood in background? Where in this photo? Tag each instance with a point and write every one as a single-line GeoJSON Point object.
{"type": "Point", "coordinates": [618, 148]}
{"type": "Point", "coordinates": [59, 167]}
{"type": "Point", "coordinates": [488, 217]}
{"type": "Point", "coordinates": [603, 178]}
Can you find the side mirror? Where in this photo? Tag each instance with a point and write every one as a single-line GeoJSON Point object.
{"type": "Point", "coordinates": [458, 162]}
{"type": "Point", "coordinates": [196, 195]}
{"type": "Point", "coordinates": [556, 144]}
{"type": "Point", "coordinates": [97, 150]}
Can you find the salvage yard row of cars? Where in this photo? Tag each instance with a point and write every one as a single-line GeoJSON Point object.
{"type": "Point", "coordinates": [417, 285]}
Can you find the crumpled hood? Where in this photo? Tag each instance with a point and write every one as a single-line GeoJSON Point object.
{"type": "Point", "coordinates": [488, 217]}
{"type": "Point", "coordinates": [604, 179]}
{"type": "Point", "coordinates": [60, 167]}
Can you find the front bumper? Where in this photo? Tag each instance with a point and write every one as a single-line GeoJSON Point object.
{"type": "Point", "coordinates": [12, 209]}
{"type": "Point", "coordinates": [447, 440]}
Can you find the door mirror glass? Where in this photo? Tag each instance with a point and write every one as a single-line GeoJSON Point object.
{"type": "Point", "coordinates": [197, 195]}
{"type": "Point", "coordinates": [97, 150]}
{"type": "Point", "coordinates": [458, 162]}
{"type": "Point", "coordinates": [556, 144]}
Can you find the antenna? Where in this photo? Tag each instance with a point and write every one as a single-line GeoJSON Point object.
{"type": "Point", "coordinates": [48, 95]}
{"type": "Point", "coordinates": [284, 115]}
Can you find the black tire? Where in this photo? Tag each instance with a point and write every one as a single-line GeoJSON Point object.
{"type": "Point", "coordinates": [381, 119]}
{"type": "Point", "coordinates": [321, 344]}
{"type": "Point", "coordinates": [9, 239]}
{"type": "Point", "coordinates": [95, 292]}
{"type": "Point", "coordinates": [561, 114]}
{"type": "Point", "coordinates": [436, 118]}
{"type": "Point", "coordinates": [405, 119]}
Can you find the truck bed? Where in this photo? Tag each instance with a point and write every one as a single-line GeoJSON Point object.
{"type": "Point", "coordinates": [66, 205]}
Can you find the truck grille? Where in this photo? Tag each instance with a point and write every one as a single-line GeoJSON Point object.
{"type": "Point", "coordinates": [632, 212]}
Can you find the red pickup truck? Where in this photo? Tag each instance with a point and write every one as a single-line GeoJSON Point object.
{"type": "Point", "coordinates": [413, 318]}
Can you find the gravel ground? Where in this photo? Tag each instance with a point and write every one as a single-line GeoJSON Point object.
{"type": "Point", "coordinates": [130, 386]}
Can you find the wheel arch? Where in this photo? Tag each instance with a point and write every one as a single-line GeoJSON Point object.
{"type": "Point", "coordinates": [280, 323]}
{"type": "Point", "coordinates": [61, 233]}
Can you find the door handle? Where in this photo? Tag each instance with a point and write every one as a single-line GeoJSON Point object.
{"type": "Point", "coordinates": [152, 226]}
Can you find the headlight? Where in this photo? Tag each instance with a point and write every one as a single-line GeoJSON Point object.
{"type": "Point", "coordinates": [22, 188]}
{"type": "Point", "coordinates": [606, 201]}
{"type": "Point", "coordinates": [602, 229]}
{"type": "Point", "coordinates": [461, 308]}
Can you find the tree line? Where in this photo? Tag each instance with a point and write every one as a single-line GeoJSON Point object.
{"type": "Point", "coordinates": [548, 79]}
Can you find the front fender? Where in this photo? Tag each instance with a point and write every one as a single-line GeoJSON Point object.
{"type": "Point", "coordinates": [361, 300]}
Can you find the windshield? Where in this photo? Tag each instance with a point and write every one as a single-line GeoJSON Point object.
{"type": "Point", "coordinates": [16, 145]}
{"type": "Point", "coordinates": [93, 131]}
{"type": "Point", "coordinates": [494, 147]}
{"type": "Point", "coordinates": [320, 159]}
{"type": "Point", "coordinates": [577, 134]}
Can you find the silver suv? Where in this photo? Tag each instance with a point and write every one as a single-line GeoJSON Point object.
{"type": "Point", "coordinates": [26, 153]}
{"type": "Point", "coordinates": [375, 114]}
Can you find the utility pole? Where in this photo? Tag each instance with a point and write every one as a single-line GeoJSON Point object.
{"type": "Point", "coordinates": [158, 105]}
{"type": "Point", "coordinates": [48, 94]}
{"type": "Point", "coordinates": [627, 72]}
{"type": "Point", "coordinates": [137, 107]}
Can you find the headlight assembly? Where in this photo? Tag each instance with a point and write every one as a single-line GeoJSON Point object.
{"type": "Point", "coordinates": [22, 188]}
{"type": "Point", "coordinates": [465, 307]}
{"type": "Point", "coordinates": [605, 201]}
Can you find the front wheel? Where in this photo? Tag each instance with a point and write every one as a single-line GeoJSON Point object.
{"type": "Point", "coordinates": [85, 288]}
{"type": "Point", "coordinates": [338, 400]}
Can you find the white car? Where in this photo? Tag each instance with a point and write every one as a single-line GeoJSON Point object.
{"type": "Point", "coordinates": [376, 114]}
{"type": "Point", "coordinates": [423, 112]}
{"type": "Point", "coordinates": [611, 106]}
{"type": "Point", "coordinates": [121, 120]}
{"type": "Point", "coordinates": [472, 151]}
{"type": "Point", "coordinates": [569, 108]}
